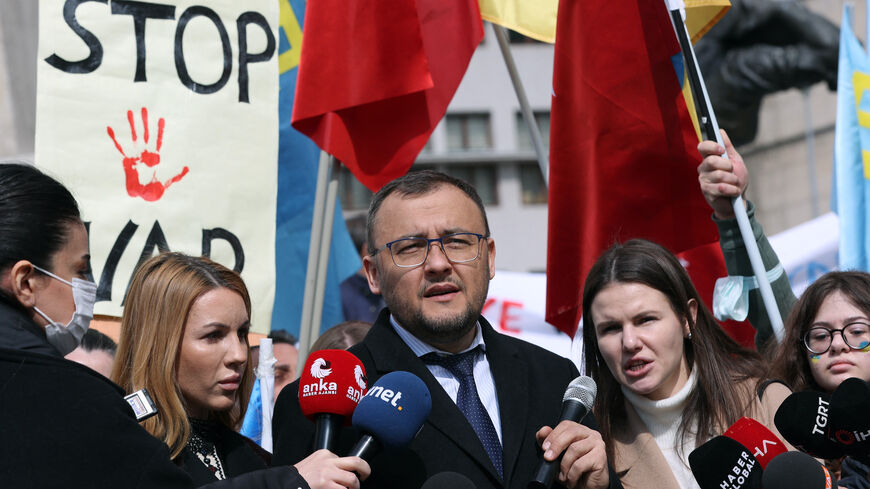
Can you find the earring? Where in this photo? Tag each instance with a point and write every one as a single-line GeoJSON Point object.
{"type": "Point", "coordinates": [690, 336]}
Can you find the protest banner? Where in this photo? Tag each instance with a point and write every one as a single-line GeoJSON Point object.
{"type": "Point", "coordinates": [163, 121]}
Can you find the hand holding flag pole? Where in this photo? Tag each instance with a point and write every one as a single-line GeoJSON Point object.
{"type": "Point", "coordinates": [710, 129]}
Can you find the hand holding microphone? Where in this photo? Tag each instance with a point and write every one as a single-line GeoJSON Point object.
{"type": "Point", "coordinates": [331, 385]}
{"type": "Point", "coordinates": [574, 450]}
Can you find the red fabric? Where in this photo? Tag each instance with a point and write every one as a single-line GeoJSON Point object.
{"type": "Point", "coordinates": [376, 77]}
{"type": "Point", "coordinates": [623, 151]}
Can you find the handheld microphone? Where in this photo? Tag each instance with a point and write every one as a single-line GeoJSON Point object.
{"type": "Point", "coordinates": [723, 463]}
{"type": "Point", "coordinates": [391, 413]}
{"type": "Point", "coordinates": [331, 385]}
{"type": "Point", "coordinates": [849, 426]}
{"type": "Point", "coordinates": [803, 420]}
{"type": "Point", "coordinates": [796, 470]}
{"type": "Point", "coordinates": [761, 442]}
{"type": "Point", "coordinates": [577, 401]}
{"type": "Point", "coordinates": [448, 480]}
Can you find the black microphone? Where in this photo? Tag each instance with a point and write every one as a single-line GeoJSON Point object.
{"type": "Point", "coordinates": [577, 401]}
{"type": "Point", "coordinates": [850, 426]}
{"type": "Point", "coordinates": [724, 463]}
{"type": "Point", "coordinates": [803, 420]}
{"type": "Point", "coordinates": [448, 480]}
{"type": "Point", "coordinates": [795, 470]}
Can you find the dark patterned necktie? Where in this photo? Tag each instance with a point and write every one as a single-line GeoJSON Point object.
{"type": "Point", "coordinates": [461, 366]}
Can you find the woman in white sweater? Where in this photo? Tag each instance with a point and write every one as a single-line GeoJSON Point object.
{"type": "Point", "coordinates": [668, 377]}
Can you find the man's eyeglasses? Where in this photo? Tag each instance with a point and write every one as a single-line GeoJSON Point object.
{"type": "Point", "coordinates": [457, 247]}
{"type": "Point", "coordinates": [856, 335]}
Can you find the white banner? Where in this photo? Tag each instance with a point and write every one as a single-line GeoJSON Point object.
{"type": "Point", "coordinates": [163, 121]}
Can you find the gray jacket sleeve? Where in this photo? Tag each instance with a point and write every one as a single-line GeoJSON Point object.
{"type": "Point", "coordinates": [737, 263]}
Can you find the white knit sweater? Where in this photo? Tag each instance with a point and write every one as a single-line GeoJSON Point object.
{"type": "Point", "coordinates": [662, 418]}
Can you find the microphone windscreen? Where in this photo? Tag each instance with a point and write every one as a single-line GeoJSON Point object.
{"type": "Point", "coordinates": [725, 463]}
{"type": "Point", "coordinates": [448, 480]}
{"type": "Point", "coordinates": [761, 442]}
{"type": "Point", "coordinates": [850, 423]}
{"type": "Point", "coordinates": [802, 419]}
{"type": "Point", "coordinates": [582, 390]}
{"type": "Point", "coordinates": [394, 409]}
{"type": "Point", "coordinates": [332, 382]}
{"type": "Point", "coordinates": [795, 470]}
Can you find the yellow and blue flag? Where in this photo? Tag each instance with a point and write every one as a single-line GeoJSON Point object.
{"type": "Point", "coordinates": [851, 193]}
{"type": "Point", "coordinates": [297, 176]}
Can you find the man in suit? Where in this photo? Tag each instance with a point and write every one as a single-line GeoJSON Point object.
{"type": "Point", "coordinates": [431, 257]}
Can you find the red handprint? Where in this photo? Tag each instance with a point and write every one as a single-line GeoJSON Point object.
{"type": "Point", "coordinates": [152, 190]}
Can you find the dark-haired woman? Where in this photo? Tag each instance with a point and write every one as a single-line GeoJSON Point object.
{"type": "Point", "coordinates": [668, 377]}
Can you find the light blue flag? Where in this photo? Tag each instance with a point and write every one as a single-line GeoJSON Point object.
{"type": "Point", "coordinates": [297, 179]}
{"type": "Point", "coordinates": [851, 194]}
{"type": "Point", "coordinates": [252, 425]}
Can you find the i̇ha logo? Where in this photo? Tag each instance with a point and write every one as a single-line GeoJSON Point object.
{"type": "Point", "coordinates": [320, 368]}
{"type": "Point", "coordinates": [360, 378]}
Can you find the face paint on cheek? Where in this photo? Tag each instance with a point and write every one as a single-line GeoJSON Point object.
{"type": "Point", "coordinates": [815, 358]}
{"type": "Point", "coordinates": [864, 347]}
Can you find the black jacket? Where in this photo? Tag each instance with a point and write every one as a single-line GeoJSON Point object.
{"type": "Point", "coordinates": [529, 381]}
{"type": "Point", "coordinates": [62, 425]}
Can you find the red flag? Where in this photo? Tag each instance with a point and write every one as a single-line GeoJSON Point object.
{"type": "Point", "coordinates": [623, 151]}
{"type": "Point", "coordinates": [376, 77]}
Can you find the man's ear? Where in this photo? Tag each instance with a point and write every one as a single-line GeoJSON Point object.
{"type": "Point", "coordinates": [372, 276]}
{"type": "Point", "coordinates": [22, 282]}
{"type": "Point", "coordinates": [490, 244]}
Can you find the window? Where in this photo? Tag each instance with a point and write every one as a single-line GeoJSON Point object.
{"type": "Point", "coordinates": [532, 184]}
{"type": "Point", "coordinates": [352, 194]}
{"type": "Point", "coordinates": [524, 140]}
{"type": "Point", "coordinates": [468, 132]}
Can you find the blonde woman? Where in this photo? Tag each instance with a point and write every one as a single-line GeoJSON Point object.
{"type": "Point", "coordinates": [184, 338]}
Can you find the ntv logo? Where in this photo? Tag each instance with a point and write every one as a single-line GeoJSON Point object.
{"type": "Point", "coordinates": [320, 369]}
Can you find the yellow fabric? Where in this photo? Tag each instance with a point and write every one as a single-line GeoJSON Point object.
{"type": "Point", "coordinates": [531, 18]}
{"type": "Point", "coordinates": [537, 18]}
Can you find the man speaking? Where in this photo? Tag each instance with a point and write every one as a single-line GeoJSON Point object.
{"type": "Point", "coordinates": [495, 399]}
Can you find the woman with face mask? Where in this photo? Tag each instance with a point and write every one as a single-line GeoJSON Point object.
{"type": "Point", "coordinates": [668, 377]}
{"type": "Point", "coordinates": [184, 338]}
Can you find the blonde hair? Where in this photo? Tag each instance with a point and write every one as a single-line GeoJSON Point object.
{"type": "Point", "coordinates": [158, 302]}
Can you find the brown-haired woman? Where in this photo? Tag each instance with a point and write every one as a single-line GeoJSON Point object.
{"type": "Point", "coordinates": [668, 377]}
{"type": "Point", "coordinates": [184, 339]}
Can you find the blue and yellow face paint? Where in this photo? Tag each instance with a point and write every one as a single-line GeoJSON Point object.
{"type": "Point", "coordinates": [815, 358]}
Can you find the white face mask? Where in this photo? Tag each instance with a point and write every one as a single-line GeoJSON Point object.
{"type": "Point", "coordinates": [66, 338]}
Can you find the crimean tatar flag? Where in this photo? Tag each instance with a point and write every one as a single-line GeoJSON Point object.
{"type": "Point", "coordinates": [851, 195]}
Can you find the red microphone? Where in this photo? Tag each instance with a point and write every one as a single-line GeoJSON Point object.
{"type": "Point", "coordinates": [331, 385]}
{"type": "Point", "coordinates": [759, 440]}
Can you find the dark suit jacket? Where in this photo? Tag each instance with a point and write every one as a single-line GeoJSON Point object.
{"type": "Point", "coordinates": [530, 382]}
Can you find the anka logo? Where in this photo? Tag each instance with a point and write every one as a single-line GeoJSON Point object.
{"type": "Point", "coordinates": [360, 378]}
{"type": "Point", "coordinates": [320, 368]}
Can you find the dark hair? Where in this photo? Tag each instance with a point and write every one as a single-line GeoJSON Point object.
{"type": "Point", "coordinates": [282, 336]}
{"type": "Point", "coordinates": [35, 211]}
{"type": "Point", "coordinates": [356, 227]}
{"type": "Point", "coordinates": [342, 336]}
{"type": "Point", "coordinates": [718, 360]}
{"type": "Point", "coordinates": [790, 363]}
{"type": "Point", "coordinates": [95, 340]}
{"type": "Point", "coordinates": [417, 183]}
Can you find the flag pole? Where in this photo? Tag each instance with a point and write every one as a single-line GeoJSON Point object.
{"type": "Point", "coordinates": [537, 143]}
{"type": "Point", "coordinates": [307, 328]}
{"type": "Point", "coordinates": [707, 121]}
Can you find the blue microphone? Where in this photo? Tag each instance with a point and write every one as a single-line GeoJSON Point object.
{"type": "Point", "coordinates": [391, 413]}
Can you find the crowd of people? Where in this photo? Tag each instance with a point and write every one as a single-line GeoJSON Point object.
{"type": "Point", "coordinates": [668, 377]}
